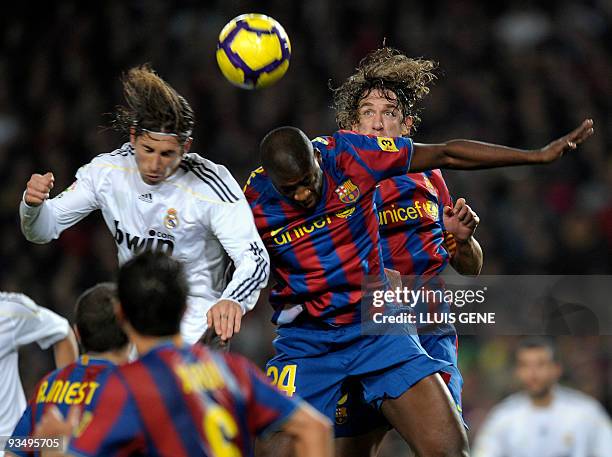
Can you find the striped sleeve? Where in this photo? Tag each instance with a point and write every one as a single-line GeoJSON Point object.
{"type": "Point", "coordinates": [234, 227]}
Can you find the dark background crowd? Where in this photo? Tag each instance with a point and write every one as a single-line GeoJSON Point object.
{"type": "Point", "coordinates": [512, 72]}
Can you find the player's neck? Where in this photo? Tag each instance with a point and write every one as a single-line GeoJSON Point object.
{"type": "Point", "coordinates": [145, 343]}
{"type": "Point", "coordinates": [543, 401]}
{"type": "Point", "coordinates": [118, 357]}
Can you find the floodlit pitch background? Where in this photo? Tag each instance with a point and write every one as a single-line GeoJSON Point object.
{"type": "Point", "coordinates": [510, 72]}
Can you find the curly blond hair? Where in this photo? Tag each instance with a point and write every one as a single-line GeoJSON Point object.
{"type": "Point", "coordinates": [152, 104]}
{"type": "Point", "coordinates": [389, 70]}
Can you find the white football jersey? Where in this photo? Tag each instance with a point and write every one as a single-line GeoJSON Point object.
{"type": "Point", "coordinates": [573, 425]}
{"type": "Point", "coordinates": [21, 322]}
{"type": "Point", "coordinates": [198, 215]}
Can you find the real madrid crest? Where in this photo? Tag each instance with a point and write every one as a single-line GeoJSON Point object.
{"type": "Point", "coordinates": [171, 220]}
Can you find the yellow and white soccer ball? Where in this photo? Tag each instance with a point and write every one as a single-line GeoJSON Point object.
{"type": "Point", "coordinates": [253, 51]}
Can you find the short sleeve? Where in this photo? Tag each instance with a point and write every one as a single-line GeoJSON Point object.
{"type": "Point", "coordinates": [33, 323]}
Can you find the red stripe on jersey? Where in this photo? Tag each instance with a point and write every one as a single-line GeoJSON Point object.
{"type": "Point", "coordinates": [258, 415]}
{"type": "Point", "coordinates": [438, 181]}
{"type": "Point", "coordinates": [157, 421]}
{"type": "Point", "coordinates": [110, 404]}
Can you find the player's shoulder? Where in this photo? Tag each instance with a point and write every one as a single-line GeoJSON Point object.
{"type": "Point", "coordinates": [257, 180]}
{"type": "Point", "coordinates": [371, 142]}
{"type": "Point", "coordinates": [17, 303]}
{"type": "Point", "coordinates": [211, 180]}
{"type": "Point", "coordinates": [575, 398]}
{"type": "Point", "coordinates": [509, 407]}
{"type": "Point", "coordinates": [122, 155]}
{"type": "Point", "coordinates": [259, 189]}
{"type": "Point", "coordinates": [120, 160]}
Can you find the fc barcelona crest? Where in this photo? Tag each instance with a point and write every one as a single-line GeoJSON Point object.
{"type": "Point", "coordinates": [347, 192]}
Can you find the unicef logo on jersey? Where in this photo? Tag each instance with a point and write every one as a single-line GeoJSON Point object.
{"type": "Point", "coordinates": [156, 241]}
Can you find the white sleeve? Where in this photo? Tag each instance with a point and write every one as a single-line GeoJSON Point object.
{"type": "Point", "coordinates": [40, 224]}
{"type": "Point", "coordinates": [234, 227]}
{"type": "Point", "coordinates": [489, 441]}
{"type": "Point", "coordinates": [33, 323]}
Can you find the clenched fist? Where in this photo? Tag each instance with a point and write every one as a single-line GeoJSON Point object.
{"type": "Point", "coordinates": [38, 188]}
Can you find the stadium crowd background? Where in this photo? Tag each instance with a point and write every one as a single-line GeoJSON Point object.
{"type": "Point", "coordinates": [515, 73]}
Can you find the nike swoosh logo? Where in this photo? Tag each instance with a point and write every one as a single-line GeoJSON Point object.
{"type": "Point", "coordinates": [273, 233]}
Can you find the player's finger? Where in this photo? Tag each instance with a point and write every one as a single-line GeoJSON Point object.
{"type": "Point", "coordinates": [237, 321]}
{"type": "Point", "coordinates": [38, 185]}
{"type": "Point", "coordinates": [585, 135]}
{"type": "Point", "coordinates": [55, 412]}
{"type": "Point", "coordinates": [34, 196]}
{"type": "Point", "coordinates": [448, 211]}
{"type": "Point", "coordinates": [209, 318]}
{"type": "Point", "coordinates": [460, 203]}
{"type": "Point", "coordinates": [463, 213]}
{"type": "Point", "coordinates": [50, 179]}
{"type": "Point", "coordinates": [581, 131]}
{"type": "Point", "coordinates": [217, 321]}
{"type": "Point", "coordinates": [228, 321]}
{"type": "Point", "coordinates": [74, 414]}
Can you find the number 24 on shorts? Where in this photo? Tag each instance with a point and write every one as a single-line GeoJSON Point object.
{"type": "Point", "coordinates": [286, 381]}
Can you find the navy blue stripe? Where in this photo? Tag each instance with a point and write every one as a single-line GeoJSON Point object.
{"type": "Point", "coordinates": [216, 177]}
{"type": "Point", "coordinates": [251, 284]}
{"type": "Point", "coordinates": [175, 402]}
{"type": "Point", "coordinates": [188, 167]}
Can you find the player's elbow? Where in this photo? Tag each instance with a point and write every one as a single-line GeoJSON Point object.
{"type": "Point", "coordinates": [36, 238]}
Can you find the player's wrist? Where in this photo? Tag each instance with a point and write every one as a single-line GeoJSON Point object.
{"type": "Point", "coordinates": [463, 240]}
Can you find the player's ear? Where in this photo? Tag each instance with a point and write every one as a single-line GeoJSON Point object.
{"type": "Point", "coordinates": [187, 144]}
{"type": "Point", "coordinates": [133, 136]}
{"type": "Point", "coordinates": [75, 329]}
{"type": "Point", "coordinates": [317, 156]}
{"type": "Point", "coordinates": [407, 125]}
{"type": "Point", "coordinates": [119, 315]}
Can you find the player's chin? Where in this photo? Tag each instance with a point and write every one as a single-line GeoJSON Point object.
{"type": "Point", "coordinates": [309, 204]}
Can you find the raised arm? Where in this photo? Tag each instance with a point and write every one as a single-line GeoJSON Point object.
{"type": "Point", "coordinates": [472, 155]}
{"type": "Point", "coordinates": [44, 219]}
{"type": "Point", "coordinates": [66, 350]}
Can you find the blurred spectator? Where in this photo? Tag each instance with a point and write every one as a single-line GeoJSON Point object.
{"type": "Point", "coordinates": [544, 419]}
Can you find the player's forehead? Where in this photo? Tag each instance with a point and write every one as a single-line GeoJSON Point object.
{"type": "Point", "coordinates": [160, 141]}
{"type": "Point", "coordinates": [534, 355]}
{"type": "Point", "coordinates": [379, 99]}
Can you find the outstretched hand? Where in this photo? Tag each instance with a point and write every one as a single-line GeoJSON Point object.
{"type": "Point", "coordinates": [555, 149]}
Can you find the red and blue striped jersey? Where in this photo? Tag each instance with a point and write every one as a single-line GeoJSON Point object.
{"type": "Point", "coordinates": [186, 401]}
{"type": "Point", "coordinates": [320, 256]}
{"type": "Point", "coordinates": [75, 384]}
{"type": "Point", "coordinates": [410, 210]}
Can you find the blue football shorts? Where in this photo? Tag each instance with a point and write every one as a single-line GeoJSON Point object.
{"type": "Point", "coordinates": [355, 415]}
{"type": "Point", "coordinates": [314, 361]}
